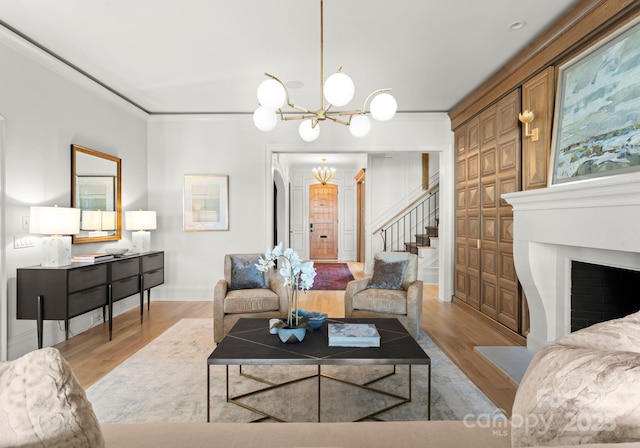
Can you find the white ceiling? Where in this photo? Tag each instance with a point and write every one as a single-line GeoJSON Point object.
{"type": "Point", "coordinates": [208, 56]}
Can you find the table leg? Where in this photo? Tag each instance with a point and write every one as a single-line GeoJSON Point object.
{"type": "Point", "coordinates": [228, 383]}
{"type": "Point", "coordinates": [208, 393]}
{"type": "Point", "coordinates": [429, 395]}
{"type": "Point", "coordinates": [39, 317]}
{"type": "Point", "coordinates": [141, 298]}
{"type": "Point", "coordinates": [319, 392]}
{"type": "Point", "coordinates": [149, 300]}
{"type": "Point", "coordinates": [110, 296]}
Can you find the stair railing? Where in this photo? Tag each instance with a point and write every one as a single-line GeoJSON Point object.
{"type": "Point", "coordinates": [409, 230]}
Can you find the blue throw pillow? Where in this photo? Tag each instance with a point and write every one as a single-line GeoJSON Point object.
{"type": "Point", "coordinates": [388, 275]}
{"type": "Point", "coordinates": [245, 275]}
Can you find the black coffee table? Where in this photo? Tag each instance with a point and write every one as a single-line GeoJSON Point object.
{"type": "Point", "coordinates": [250, 343]}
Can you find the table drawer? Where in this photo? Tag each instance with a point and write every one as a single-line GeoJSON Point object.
{"type": "Point", "coordinates": [125, 288]}
{"type": "Point", "coordinates": [87, 277]}
{"type": "Point", "coordinates": [87, 300]}
{"type": "Point", "coordinates": [124, 268]}
{"type": "Point", "coordinates": [153, 278]}
{"type": "Point", "coordinates": [152, 262]}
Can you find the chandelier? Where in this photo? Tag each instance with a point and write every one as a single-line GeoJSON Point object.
{"type": "Point", "coordinates": [324, 174]}
{"type": "Point", "coordinates": [337, 91]}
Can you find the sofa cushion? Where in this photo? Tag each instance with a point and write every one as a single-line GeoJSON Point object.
{"type": "Point", "coordinates": [573, 395]}
{"type": "Point", "coordinates": [388, 275]}
{"type": "Point", "coordinates": [244, 274]}
{"type": "Point", "coordinates": [251, 301]}
{"type": "Point", "coordinates": [42, 404]}
{"type": "Point", "coordinates": [390, 301]}
{"type": "Point", "coordinates": [617, 334]}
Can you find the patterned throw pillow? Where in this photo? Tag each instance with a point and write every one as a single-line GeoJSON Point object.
{"type": "Point", "coordinates": [245, 275]}
{"type": "Point", "coordinates": [42, 404]}
{"type": "Point", "coordinates": [388, 275]}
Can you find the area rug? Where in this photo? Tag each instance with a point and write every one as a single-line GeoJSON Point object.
{"type": "Point", "coordinates": [166, 382]}
{"type": "Point", "coordinates": [331, 276]}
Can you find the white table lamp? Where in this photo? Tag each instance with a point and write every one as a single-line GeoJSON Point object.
{"type": "Point", "coordinates": [140, 221]}
{"type": "Point", "coordinates": [98, 222]}
{"type": "Point", "coordinates": [59, 223]}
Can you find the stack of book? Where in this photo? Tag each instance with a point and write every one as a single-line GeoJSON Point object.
{"type": "Point", "coordinates": [353, 335]}
{"type": "Point", "coordinates": [91, 258]}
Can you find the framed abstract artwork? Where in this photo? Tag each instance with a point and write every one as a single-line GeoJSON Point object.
{"type": "Point", "coordinates": [205, 202]}
{"type": "Point", "coordinates": [597, 114]}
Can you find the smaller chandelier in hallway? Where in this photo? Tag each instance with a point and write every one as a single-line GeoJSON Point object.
{"type": "Point", "coordinates": [324, 174]}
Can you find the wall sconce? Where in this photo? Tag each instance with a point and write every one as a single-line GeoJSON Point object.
{"type": "Point", "coordinates": [59, 222]}
{"type": "Point", "coordinates": [527, 117]}
{"type": "Point", "coordinates": [98, 222]}
{"type": "Point", "coordinates": [141, 220]}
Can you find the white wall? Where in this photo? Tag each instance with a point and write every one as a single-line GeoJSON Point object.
{"type": "Point", "coordinates": [46, 107]}
{"type": "Point", "coordinates": [231, 145]}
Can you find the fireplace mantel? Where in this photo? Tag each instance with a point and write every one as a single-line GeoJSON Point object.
{"type": "Point", "coordinates": [594, 221]}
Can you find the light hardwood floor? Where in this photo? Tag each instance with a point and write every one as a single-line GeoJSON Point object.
{"type": "Point", "coordinates": [450, 326]}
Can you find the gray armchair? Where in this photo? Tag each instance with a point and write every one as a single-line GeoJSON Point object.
{"type": "Point", "coordinates": [246, 292]}
{"type": "Point", "coordinates": [386, 294]}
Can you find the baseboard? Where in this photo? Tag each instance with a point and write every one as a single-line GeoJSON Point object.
{"type": "Point", "coordinates": [504, 331]}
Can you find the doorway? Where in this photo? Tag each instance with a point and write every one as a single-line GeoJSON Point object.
{"type": "Point", "coordinates": [323, 222]}
{"type": "Point", "coordinates": [360, 214]}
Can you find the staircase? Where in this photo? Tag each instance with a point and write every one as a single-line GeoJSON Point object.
{"type": "Point", "coordinates": [416, 231]}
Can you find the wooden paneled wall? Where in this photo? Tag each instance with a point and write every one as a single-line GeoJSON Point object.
{"type": "Point", "coordinates": [494, 157]}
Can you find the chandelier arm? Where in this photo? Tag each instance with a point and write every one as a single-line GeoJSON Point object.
{"type": "Point", "coordinates": [337, 120]}
{"type": "Point", "coordinates": [364, 106]}
{"type": "Point", "coordinates": [297, 117]}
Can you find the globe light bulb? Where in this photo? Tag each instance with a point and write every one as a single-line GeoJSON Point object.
{"type": "Point", "coordinates": [360, 125]}
{"type": "Point", "coordinates": [265, 119]}
{"type": "Point", "coordinates": [308, 132]}
{"type": "Point", "coordinates": [339, 89]}
{"type": "Point", "coordinates": [383, 107]}
{"type": "Point", "coordinates": [271, 94]}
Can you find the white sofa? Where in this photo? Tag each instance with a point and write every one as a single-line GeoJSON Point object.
{"type": "Point", "coordinates": [583, 389]}
{"type": "Point", "coordinates": [591, 376]}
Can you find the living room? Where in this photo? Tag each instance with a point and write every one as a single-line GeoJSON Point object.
{"type": "Point", "coordinates": [46, 105]}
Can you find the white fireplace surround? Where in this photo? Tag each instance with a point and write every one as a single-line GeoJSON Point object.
{"type": "Point", "coordinates": [594, 221]}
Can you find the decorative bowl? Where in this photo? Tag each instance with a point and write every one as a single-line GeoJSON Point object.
{"type": "Point", "coordinates": [315, 318]}
{"type": "Point", "coordinates": [116, 251]}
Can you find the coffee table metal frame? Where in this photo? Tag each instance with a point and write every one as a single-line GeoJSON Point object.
{"type": "Point", "coordinates": [249, 343]}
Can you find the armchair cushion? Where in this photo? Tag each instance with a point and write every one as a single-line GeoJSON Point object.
{"type": "Point", "coordinates": [244, 274]}
{"type": "Point", "coordinates": [388, 275]}
{"type": "Point", "coordinates": [390, 301]}
{"type": "Point", "coordinates": [251, 301]}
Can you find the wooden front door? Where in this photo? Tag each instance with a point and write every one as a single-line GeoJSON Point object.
{"type": "Point", "coordinates": [323, 221]}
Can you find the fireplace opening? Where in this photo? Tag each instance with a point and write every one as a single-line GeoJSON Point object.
{"type": "Point", "coordinates": [600, 293]}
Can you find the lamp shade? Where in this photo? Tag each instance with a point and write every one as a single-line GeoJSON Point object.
{"type": "Point", "coordinates": [265, 119]}
{"type": "Point", "coordinates": [140, 220]}
{"type": "Point", "coordinates": [271, 94]}
{"type": "Point", "coordinates": [108, 221]}
{"type": "Point", "coordinates": [91, 220]}
{"type": "Point", "coordinates": [54, 220]}
{"type": "Point", "coordinates": [383, 107]}
{"type": "Point", "coordinates": [339, 89]}
{"type": "Point", "coordinates": [308, 131]}
{"type": "Point", "coordinates": [360, 125]}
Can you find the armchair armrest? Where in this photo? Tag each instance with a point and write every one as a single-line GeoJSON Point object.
{"type": "Point", "coordinates": [414, 307]}
{"type": "Point", "coordinates": [353, 288]}
{"type": "Point", "coordinates": [219, 293]}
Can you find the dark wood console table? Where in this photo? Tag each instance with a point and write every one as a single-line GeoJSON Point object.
{"type": "Point", "coordinates": [62, 293]}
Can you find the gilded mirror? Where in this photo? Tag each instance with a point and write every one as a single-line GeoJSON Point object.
{"type": "Point", "coordinates": [95, 189]}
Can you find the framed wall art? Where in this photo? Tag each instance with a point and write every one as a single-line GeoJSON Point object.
{"type": "Point", "coordinates": [597, 115]}
{"type": "Point", "coordinates": [205, 202]}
